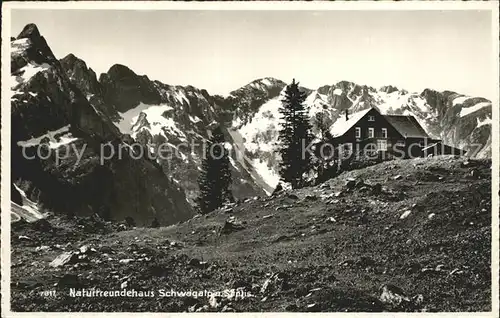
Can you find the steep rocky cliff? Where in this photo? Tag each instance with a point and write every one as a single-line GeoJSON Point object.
{"type": "Point", "coordinates": [57, 143]}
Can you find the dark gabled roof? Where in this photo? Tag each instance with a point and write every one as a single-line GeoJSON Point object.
{"type": "Point", "coordinates": [407, 126]}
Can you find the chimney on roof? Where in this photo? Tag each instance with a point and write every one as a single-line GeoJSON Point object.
{"type": "Point", "coordinates": [346, 114]}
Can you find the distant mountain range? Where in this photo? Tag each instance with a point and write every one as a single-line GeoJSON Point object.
{"type": "Point", "coordinates": [64, 102]}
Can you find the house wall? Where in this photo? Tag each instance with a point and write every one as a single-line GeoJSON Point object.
{"type": "Point", "coordinates": [379, 123]}
{"type": "Point", "coordinates": [393, 136]}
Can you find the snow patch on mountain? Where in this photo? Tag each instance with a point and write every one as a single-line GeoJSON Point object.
{"type": "Point", "coordinates": [486, 121]}
{"type": "Point", "coordinates": [194, 119]}
{"type": "Point", "coordinates": [261, 132]}
{"type": "Point", "coordinates": [269, 175]}
{"type": "Point", "coordinates": [155, 115]}
{"type": "Point", "coordinates": [56, 138]}
{"type": "Point", "coordinates": [469, 110]}
{"type": "Point", "coordinates": [180, 96]}
{"type": "Point", "coordinates": [393, 102]}
{"type": "Point", "coordinates": [25, 73]}
{"type": "Point", "coordinates": [29, 206]}
{"type": "Point", "coordinates": [317, 103]}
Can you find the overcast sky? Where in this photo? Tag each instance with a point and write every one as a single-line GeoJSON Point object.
{"type": "Point", "coordinates": [223, 50]}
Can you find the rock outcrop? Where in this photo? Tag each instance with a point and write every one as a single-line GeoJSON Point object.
{"type": "Point", "coordinates": [58, 139]}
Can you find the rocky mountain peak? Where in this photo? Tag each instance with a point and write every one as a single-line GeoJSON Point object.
{"type": "Point", "coordinates": [51, 105]}
{"type": "Point", "coordinates": [389, 89]}
{"type": "Point", "coordinates": [81, 75]}
{"type": "Point", "coordinates": [71, 60]}
{"type": "Point", "coordinates": [124, 89]}
{"type": "Point", "coordinates": [119, 71]}
{"type": "Point", "coordinates": [29, 47]}
{"type": "Point", "coordinates": [30, 31]}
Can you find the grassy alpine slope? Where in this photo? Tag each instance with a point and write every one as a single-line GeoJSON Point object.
{"type": "Point", "coordinates": [410, 235]}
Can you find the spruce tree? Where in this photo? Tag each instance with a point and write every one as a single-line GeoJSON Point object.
{"type": "Point", "coordinates": [294, 136]}
{"type": "Point", "coordinates": [215, 176]}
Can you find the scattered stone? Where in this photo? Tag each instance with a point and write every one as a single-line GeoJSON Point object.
{"type": "Point", "coordinates": [175, 244]}
{"type": "Point", "coordinates": [268, 216]}
{"type": "Point", "coordinates": [417, 300]}
{"type": "Point", "coordinates": [24, 238]}
{"type": "Point", "coordinates": [312, 307]}
{"type": "Point", "coordinates": [126, 260]}
{"type": "Point", "coordinates": [63, 259]}
{"type": "Point", "coordinates": [84, 249]}
{"type": "Point", "coordinates": [227, 210]}
{"type": "Point", "coordinates": [474, 173]}
{"type": "Point", "coordinates": [42, 248]}
{"type": "Point", "coordinates": [274, 283]}
{"type": "Point", "coordinates": [405, 214]}
{"type": "Point", "coordinates": [282, 207]}
{"type": "Point", "coordinates": [393, 296]}
{"type": "Point", "coordinates": [226, 308]}
{"type": "Point", "coordinates": [214, 302]}
{"type": "Point", "coordinates": [431, 216]}
{"type": "Point", "coordinates": [456, 271]}
{"type": "Point", "coordinates": [398, 177]}
{"type": "Point", "coordinates": [331, 219]}
{"type": "Point", "coordinates": [193, 308]}
{"type": "Point", "coordinates": [365, 189]}
{"type": "Point", "coordinates": [338, 193]}
{"type": "Point", "coordinates": [416, 207]}
{"type": "Point", "coordinates": [231, 225]}
{"type": "Point", "coordinates": [197, 263]}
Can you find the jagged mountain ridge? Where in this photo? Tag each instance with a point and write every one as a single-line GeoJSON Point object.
{"type": "Point", "coordinates": [457, 119]}
{"type": "Point", "coordinates": [153, 112]}
{"type": "Point", "coordinates": [250, 114]}
{"type": "Point", "coordinates": [48, 111]}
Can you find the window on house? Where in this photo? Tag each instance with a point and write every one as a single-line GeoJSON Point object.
{"type": "Point", "coordinates": [358, 132]}
{"type": "Point", "coordinates": [371, 118]}
{"type": "Point", "coordinates": [371, 149]}
{"type": "Point", "coordinates": [384, 132]}
{"type": "Point", "coordinates": [371, 132]}
{"type": "Point", "coordinates": [382, 145]}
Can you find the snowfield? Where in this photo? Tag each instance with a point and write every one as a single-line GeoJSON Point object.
{"type": "Point", "coordinates": [26, 73]}
{"type": "Point", "coordinates": [159, 125]}
{"type": "Point", "coordinates": [469, 110]}
{"type": "Point", "coordinates": [57, 138]}
{"type": "Point", "coordinates": [460, 100]}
